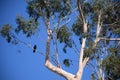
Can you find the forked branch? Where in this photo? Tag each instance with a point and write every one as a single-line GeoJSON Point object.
{"type": "Point", "coordinates": [48, 64]}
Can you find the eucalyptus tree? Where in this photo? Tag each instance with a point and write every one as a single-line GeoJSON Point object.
{"type": "Point", "coordinates": [96, 25]}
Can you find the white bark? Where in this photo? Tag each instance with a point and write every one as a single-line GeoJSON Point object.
{"type": "Point", "coordinates": [110, 39]}
{"type": "Point", "coordinates": [59, 71]}
{"type": "Point", "coordinates": [48, 64]}
{"type": "Point", "coordinates": [98, 30]}
{"type": "Point", "coordinates": [82, 62]}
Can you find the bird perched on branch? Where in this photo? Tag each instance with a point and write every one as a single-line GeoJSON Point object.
{"type": "Point", "coordinates": [34, 48]}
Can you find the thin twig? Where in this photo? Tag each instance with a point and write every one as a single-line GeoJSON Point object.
{"type": "Point", "coordinates": [110, 39]}
{"type": "Point", "coordinates": [80, 11]}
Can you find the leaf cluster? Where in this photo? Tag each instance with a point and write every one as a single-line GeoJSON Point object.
{"type": "Point", "coordinates": [67, 62]}
{"type": "Point", "coordinates": [63, 35]}
{"type": "Point", "coordinates": [27, 27]}
{"type": "Point", "coordinates": [89, 53]}
{"type": "Point", "coordinates": [77, 28]}
{"type": "Point", "coordinates": [111, 67]}
{"type": "Point", "coordinates": [38, 8]}
{"type": "Point", "coordinates": [113, 50]}
{"type": "Point", "coordinates": [6, 32]}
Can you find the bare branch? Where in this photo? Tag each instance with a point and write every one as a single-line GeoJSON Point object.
{"type": "Point", "coordinates": [49, 32]}
{"type": "Point", "coordinates": [98, 30]}
{"type": "Point", "coordinates": [48, 64]}
{"type": "Point", "coordinates": [80, 10]}
{"type": "Point", "coordinates": [85, 61]}
{"type": "Point", "coordinates": [65, 22]}
{"type": "Point", "coordinates": [110, 39]}
{"type": "Point", "coordinates": [59, 71]}
{"type": "Point", "coordinates": [27, 44]}
{"type": "Point", "coordinates": [110, 24]}
{"type": "Point", "coordinates": [56, 50]}
{"type": "Point", "coordinates": [80, 68]}
{"type": "Point", "coordinates": [74, 10]}
{"type": "Point", "coordinates": [85, 24]}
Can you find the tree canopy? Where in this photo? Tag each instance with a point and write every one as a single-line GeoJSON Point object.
{"type": "Point", "coordinates": [95, 23]}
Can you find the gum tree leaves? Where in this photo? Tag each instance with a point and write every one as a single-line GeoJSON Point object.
{"type": "Point", "coordinates": [34, 8]}
{"type": "Point", "coordinates": [113, 50]}
{"type": "Point", "coordinates": [5, 32]}
{"type": "Point", "coordinates": [38, 8]}
{"type": "Point", "coordinates": [27, 27]}
{"type": "Point", "coordinates": [77, 28]}
{"type": "Point", "coordinates": [67, 62]}
{"type": "Point", "coordinates": [111, 65]}
{"type": "Point", "coordinates": [63, 35]}
{"type": "Point", "coordinates": [89, 53]}
{"type": "Point", "coordinates": [87, 8]}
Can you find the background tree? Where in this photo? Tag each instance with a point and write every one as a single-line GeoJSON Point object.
{"type": "Point", "coordinates": [96, 25]}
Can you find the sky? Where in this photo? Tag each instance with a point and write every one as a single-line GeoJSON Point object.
{"type": "Point", "coordinates": [18, 62]}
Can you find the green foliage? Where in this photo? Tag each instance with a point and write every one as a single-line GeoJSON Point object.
{"type": "Point", "coordinates": [87, 8]}
{"type": "Point", "coordinates": [67, 62]}
{"type": "Point", "coordinates": [6, 29]}
{"type": "Point", "coordinates": [28, 27]}
{"type": "Point", "coordinates": [111, 16]}
{"type": "Point", "coordinates": [77, 28]}
{"type": "Point", "coordinates": [34, 8]}
{"type": "Point", "coordinates": [89, 53]}
{"type": "Point", "coordinates": [110, 13]}
{"type": "Point", "coordinates": [5, 32]}
{"type": "Point", "coordinates": [98, 5]}
{"type": "Point", "coordinates": [113, 50]}
{"type": "Point", "coordinates": [116, 30]}
{"type": "Point", "coordinates": [63, 35]}
{"type": "Point", "coordinates": [38, 8]}
{"type": "Point", "coordinates": [111, 65]}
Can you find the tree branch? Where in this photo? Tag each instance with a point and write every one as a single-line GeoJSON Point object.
{"type": "Point", "coordinates": [56, 50]}
{"type": "Point", "coordinates": [80, 10]}
{"type": "Point", "coordinates": [59, 71]}
{"type": "Point", "coordinates": [98, 30]}
{"type": "Point", "coordinates": [49, 32]}
{"type": "Point", "coordinates": [80, 68]}
{"type": "Point", "coordinates": [27, 44]}
{"type": "Point", "coordinates": [85, 61]}
{"type": "Point", "coordinates": [82, 16]}
{"type": "Point", "coordinates": [74, 10]}
{"type": "Point", "coordinates": [82, 62]}
{"type": "Point", "coordinates": [48, 64]}
{"type": "Point", "coordinates": [110, 39]}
